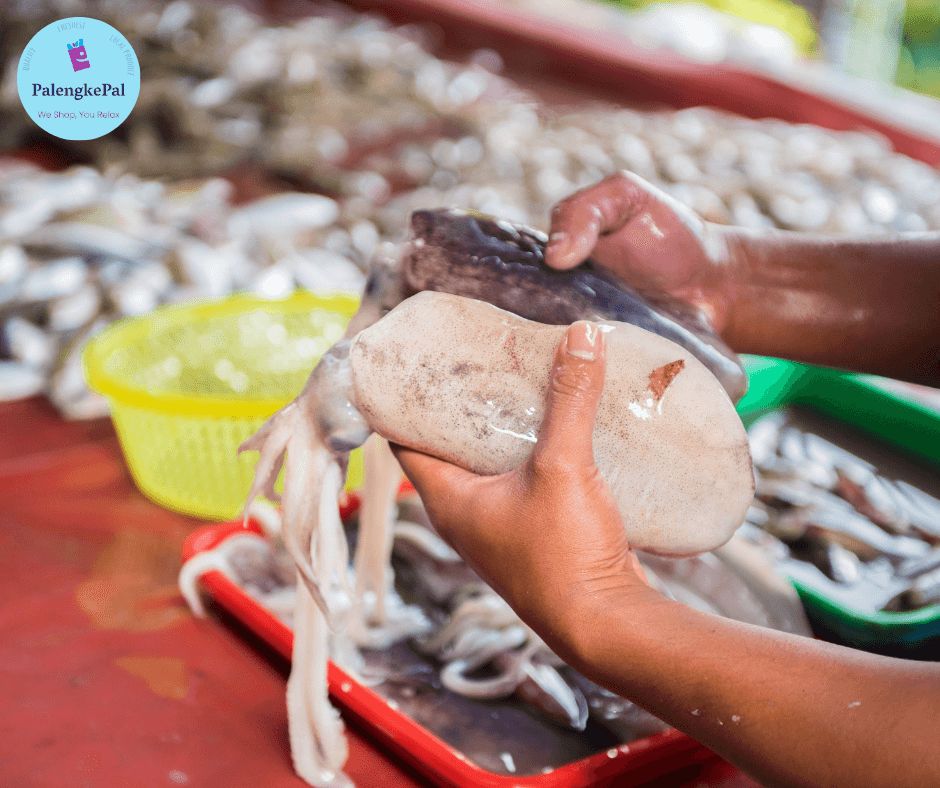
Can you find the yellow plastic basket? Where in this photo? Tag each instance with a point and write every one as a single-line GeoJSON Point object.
{"type": "Point", "coordinates": [187, 384]}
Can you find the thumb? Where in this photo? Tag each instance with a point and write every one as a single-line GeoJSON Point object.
{"type": "Point", "coordinates": [448, 491]}
{"type": "Point", "coordinates": [575, 391]}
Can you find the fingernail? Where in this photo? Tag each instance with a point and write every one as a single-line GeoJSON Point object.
{"type": "Point", "coordinates": [559, 246]}
{"type": "Point", "coordinates": [583, 340]}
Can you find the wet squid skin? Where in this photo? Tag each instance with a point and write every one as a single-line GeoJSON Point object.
{"type": "Point", "coordinates": [473, 255]}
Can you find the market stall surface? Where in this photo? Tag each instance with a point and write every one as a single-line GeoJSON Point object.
{"type": "Point", "coordinates": [105, 677]}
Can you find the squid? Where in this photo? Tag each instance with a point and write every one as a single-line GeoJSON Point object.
{"type": "Point", "coordinates": [466, 380]}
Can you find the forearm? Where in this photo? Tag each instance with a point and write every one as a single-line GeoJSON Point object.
{"type": "Point", "coordinates": [870, 305]}
{"type": "Point", "coordinates": [790, 711]}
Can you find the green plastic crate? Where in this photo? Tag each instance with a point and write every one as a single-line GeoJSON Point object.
{"type": "Point", "coordinates": [896, 422]}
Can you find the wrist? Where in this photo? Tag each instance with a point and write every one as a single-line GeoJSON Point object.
{"type": "Point", "coordinates": [730, 249]}
{"type": "Point", "coordinates": [600, 624]}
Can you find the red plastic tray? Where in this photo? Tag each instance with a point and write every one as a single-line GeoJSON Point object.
{"type": "Point", "coordinates": [629, 764]}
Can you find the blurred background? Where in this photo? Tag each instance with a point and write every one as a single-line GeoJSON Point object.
{"type": "Point", "coordinates": [279, 145]}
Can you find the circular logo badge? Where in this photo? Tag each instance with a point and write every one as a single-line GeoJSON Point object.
{"type": "Point", "coordinates": [78, 78]}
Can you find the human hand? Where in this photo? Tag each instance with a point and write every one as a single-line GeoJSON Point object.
{"type": "Point", "coordinates": [652, 241]}
{"type": "Point", "coordinates": [546, 536]}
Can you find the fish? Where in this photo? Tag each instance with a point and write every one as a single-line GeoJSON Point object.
{"type": "Point", "coordinates": [924, 591]}
{"type": "Point", "coordinates": [18, 381]}
{"type": "Point", "coordinates": [874, 498]}
{"type": "Point", "coordinates": [858, 534]}
{"type": "Point", "coordinates": [922, 511]}
{"type": "Point", "coordinates": [917, 566]}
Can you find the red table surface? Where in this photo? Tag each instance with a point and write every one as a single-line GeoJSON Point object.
{"type": "Point", "coordinates": [105, 677]}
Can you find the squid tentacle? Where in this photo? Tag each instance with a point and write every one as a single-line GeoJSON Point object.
{"type": "Point", "coordinates": [318, 745]}
{"type": "Point", "coordinates": [306, 463]}
{"type": "Point", "coordinates": [270, 441]}
{"type": "Point", "coordinates": [329, 536]}
{"type": "Point", "coordinates": [316, 760]}
{"type": "Point", "coordinates": [544, 687]}
{"type": "Point", "coordinates": [219, 559]}
{"type": "Point", "coordinates": [376, 521]}
{"type": "Point", "coordinates": [453, 676]}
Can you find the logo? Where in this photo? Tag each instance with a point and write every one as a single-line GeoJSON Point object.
{"type": "Point", "coordinates": [78, 55]}
{"type": "Point", "coordinates": [77, 98]}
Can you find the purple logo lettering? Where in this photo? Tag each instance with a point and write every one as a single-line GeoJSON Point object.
{"type": "Point", "coordinates": [79, 55]}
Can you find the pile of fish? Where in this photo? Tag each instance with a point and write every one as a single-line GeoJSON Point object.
{"type": "Point", "coordinates": [851, 533]}
{"type": "Point", "coordinates": [731, 170]}
{"type": "Point", "coordinates": [221, 86]}
{"type": "Point", "coordinates": [79, 250]}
